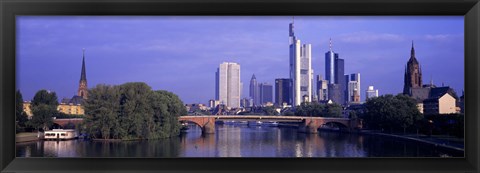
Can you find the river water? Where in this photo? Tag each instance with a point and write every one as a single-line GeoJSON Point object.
{"type": "Point", "coordinates": [241, 141]}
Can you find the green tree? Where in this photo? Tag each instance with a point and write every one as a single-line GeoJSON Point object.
{"type": "Point", "coordinates": [333, 110]}
{"type": "Point", "coordinates": [20, 116]}
{"type": "Point", "coordinates": [393, 113]}
{"type": "Point", "coordinates": [44, 107]}
{"type": "Point", "coordinates": [270, 110]}
{"type": "Point", "coordinates": [132, 111]}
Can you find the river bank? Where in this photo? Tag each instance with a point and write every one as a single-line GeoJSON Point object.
{"type": "Point", "coordinates": [26, 137]}
{"type": "Point", "coordinates": [436, 140]}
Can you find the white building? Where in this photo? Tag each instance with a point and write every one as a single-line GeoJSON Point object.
{"type": "Point", "coordinates": [300, 69]}
{"type": "Point", "coordinates": [228, 85]}
{"type": "Point", "coordinates": [371, 92]}
{"type": "Point", "coordinates": [353, 86]}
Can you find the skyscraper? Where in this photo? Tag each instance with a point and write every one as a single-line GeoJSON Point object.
{"type": "Point", "coordinates": [282, 92]}
{"type": "Point", "coordinates": [353, 84]}
{"type": "Point", "coordinates": [82, 86]}
{"type": "Point", "coordinates": [334, 70]}
{"type": "Point", "coordinates": [300, 68]}
{"type": "Point", "coordinates": [371, 92]}
{"type": "Point", "coordinates": [322, 88]}
{"type": "Point", "coordinates": [266, 93]}
{"type": "Point", "coordinates": [413, 74]}
{"type": "Point", "coordinates": [330, 57]}
{"type": "Point", "coordinates": [254, 90]}
{"type": "Point", "coordinates": [228, 84]}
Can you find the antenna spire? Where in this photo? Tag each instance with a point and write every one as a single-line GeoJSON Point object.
{"type": "Point", "coordinates": [330, 45]}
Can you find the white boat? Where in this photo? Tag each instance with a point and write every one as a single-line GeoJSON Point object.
{"type": "Point", "coordinates": [255, 123]}
{"type": "Point", "coordinates": [60, 134]}
{"type": "Point", "coordinates": [270, 123]}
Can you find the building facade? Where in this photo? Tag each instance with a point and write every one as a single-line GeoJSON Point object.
{"type": "Point", "coordinates": [444, 104]}
{"type": "Point", "coordinates": [254, 93]}
{"type": "Point", "coordinates": [282, 92]}
{"type": "Point", "coordinates": [300, 68]}
{"type": "Point", "coordinates": [228, 84]}
{"type": "Point", "coordinates": [371, 92]}
{"type": "Point", "coordinates": [322, 88]}
{"type": "Point", "coordinates": [353, 87]}
{"type": "Point", "coordinates": [266, 93]}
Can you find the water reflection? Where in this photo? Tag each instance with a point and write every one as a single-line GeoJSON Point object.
{"type": "Point", "coordinates": [240, 141]}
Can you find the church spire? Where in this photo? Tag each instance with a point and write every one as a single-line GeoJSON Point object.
{"type": "Point", "coordinates": [83, 76]}
{"type": "Point", "coordinates": [82, 87]}
{"type": "Point", "coordinates": [412, 55]}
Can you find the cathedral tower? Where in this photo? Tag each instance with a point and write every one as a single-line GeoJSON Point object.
{"type": "Point", "coordinates": [413, 74]}
{"type": "Point", "coordinates": [82, 87]}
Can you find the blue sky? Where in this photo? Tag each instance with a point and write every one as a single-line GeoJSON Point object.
{"type": "Point", "coordinates": [181, 53]}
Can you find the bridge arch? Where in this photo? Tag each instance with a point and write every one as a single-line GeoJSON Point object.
{"type": "Point", "coordinates": [335, 124]}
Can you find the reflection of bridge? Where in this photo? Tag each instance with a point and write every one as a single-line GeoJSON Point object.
{"type": "Point", "coordinates": [308, 124]}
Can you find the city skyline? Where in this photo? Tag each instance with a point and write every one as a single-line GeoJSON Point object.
{"type": "Point", "coordinates": [261, 49]}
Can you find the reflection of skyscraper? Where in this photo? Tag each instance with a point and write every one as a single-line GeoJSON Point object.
{"type": "Point", "coordinates": [300, 68]}
{"type": "Point", "coordinates": [282, 91]}
{"type": "Point", "coordinates": [266, 91]}
{"type": "Point", "coordinates": [228, 84]}
{"type": "Point", "coordinates": [413, 74]}
{"type": "Point", "coordinates": [254, 90]}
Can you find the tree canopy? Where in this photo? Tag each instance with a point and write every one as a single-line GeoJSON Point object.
{"type": "Point", "coordinates": [394, 113]}
{"type": "Point", "coordinates": [318, 110]}
{"type": "Point", "coordinates": [132, 111]}
{"type": "Point", "coordinates": [20, 116]}
{"type": "Point", "coordinates": [44, 107]}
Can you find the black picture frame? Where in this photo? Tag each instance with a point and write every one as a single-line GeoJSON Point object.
{"type": "Point", "coordinates": [470, 9]}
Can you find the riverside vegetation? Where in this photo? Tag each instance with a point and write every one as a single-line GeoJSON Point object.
{"type": "Point", "coordinates": [131, 111]}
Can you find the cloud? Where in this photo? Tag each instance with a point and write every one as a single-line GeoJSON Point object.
{"type": "Point", "coordinates": [438, 37]}
{"type": "Point", "coordinates": [368, 37]}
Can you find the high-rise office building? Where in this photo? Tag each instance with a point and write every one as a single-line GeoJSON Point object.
{"type": "Point", "coordinates": [330, 57]}
{"type": "Point", "coordinates": [254, 90]}
{"type": "Point", "coordinates": [282, 92]}
{"type": "Point", "coordinates": [353, 83]}
{"type": "Point", "coordinates": [228, 84]}
{"type": "Point", "coordinates": [322, 88]}
{"type": "Point", "coordinates": [335, 93]}
{"type": "Point", "coordinates": [371, 92]}
{"type": "Point", "coordinates": [334, 70]}
{"type": "Point", "coordinates": [266, 93]}
{"type": "Point", "coordinates": [300, 68]}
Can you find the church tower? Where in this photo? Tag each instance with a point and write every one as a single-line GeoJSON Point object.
{"type": "Point", "coordinates": [413, 74]}
{"type": "Point", "coordinates": [82, 87]}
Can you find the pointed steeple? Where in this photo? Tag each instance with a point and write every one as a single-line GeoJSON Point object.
{"type": "Point", "coordinates": [412, 54]}
{"type": "Point", "coordinates": [253, 76]}
{"type": "Point", "coordinates": [83, 75]}
{"type": "Point", "coordinates": [82, 86]}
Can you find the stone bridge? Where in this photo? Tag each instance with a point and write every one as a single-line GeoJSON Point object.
{"type": "Point", "coordinates": [63, 122]}
{"type": "Point", "coordinates": [308, 124]}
